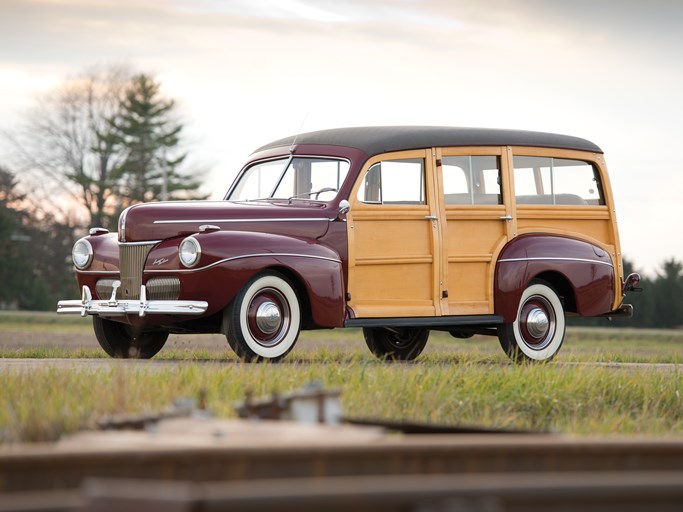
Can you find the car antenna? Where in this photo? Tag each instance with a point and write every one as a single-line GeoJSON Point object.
{"type": "Point", "coordinates": [291, 148]}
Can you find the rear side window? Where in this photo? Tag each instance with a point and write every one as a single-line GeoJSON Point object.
{"type": "Point", "coordinates": [394, 182]}
{"type": "Point", "coordinates": [471, 180]}
{"type": "Point", "coordinates": [556, 181]}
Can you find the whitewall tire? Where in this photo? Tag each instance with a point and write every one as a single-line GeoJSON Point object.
{"type": "Point", "coordinates": [539, 327]}
{"type": "Point", "coordinates": [264, 320]}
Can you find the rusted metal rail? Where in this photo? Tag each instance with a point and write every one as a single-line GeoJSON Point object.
{"type": "Point", "coordinates": [210, 464]}
{"type": "Point", "coordinates": [40, 468]}
{"type": "Point", "coordinates": [483, 492]}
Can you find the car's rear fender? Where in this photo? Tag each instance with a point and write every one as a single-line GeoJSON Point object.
{"type": "Point", "coordinates": [581, 272]}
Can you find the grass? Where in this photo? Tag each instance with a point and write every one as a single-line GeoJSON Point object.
{"type": "Point", "coordinates": [456, 382]}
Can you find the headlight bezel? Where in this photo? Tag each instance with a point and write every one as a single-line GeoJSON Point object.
{"type": "Point", "coordinates": [77, 258]}
{"type": "Point", "coordinates": [190, 241]}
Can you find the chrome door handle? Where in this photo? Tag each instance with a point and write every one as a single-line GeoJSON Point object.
{"type": "Point", "coordinates": [506, 217]}
{"type": "Point", "coordinates": [431, 217]}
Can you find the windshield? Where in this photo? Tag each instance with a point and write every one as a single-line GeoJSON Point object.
{"type": "Point", "coordinates": [288, 178]}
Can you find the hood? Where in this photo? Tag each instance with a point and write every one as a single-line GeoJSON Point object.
{"type": "Point", "coordinates": [160, 221]}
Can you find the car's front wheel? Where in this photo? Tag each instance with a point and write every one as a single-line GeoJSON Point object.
{"type": "Point", "coordinates": [538, 331]}
{"type": "Point", "coordinates": [122, 341]}
{"type": "Point", "coordinates": [402, 344]}
{"type": "Point", "coordinates": [264, 320]}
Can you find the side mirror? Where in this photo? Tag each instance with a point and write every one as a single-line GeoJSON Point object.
{"type": "Point", "coordinates": [344, 207]}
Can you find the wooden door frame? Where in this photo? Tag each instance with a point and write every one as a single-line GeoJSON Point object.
{"type": "Point", "coordinates": [504, 153]}
{"type": "Point", "coordinates": [358, 208]}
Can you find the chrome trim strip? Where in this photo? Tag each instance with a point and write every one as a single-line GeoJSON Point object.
{"type": "Point", "coordinates": [209, 221]}
{"type": "Point", "coordinates": [551, 258]}
{"type": "Point", "coordinates": [122, 223]}
{"type": "Point", "coordinates": [225, 260]}
{"type": "Point", "coordinates": [146, 242]}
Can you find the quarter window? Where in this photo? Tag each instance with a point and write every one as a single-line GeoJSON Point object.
{"type": "Point", "coordinates": [394, 182]}
{"type": "Point", "coordinates": [556, 181]}
{"type": "Point", "coordinates": [471, 180]}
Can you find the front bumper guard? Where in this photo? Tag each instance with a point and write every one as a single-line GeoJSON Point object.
{"type": "Point", "coordinates": [140, 307]}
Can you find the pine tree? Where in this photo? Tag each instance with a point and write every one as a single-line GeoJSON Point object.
{"type": "Point", "coordinates": [149, 137]}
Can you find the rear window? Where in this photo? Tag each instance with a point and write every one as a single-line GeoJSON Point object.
{"type": "Point", "coordinates": [556, 181]}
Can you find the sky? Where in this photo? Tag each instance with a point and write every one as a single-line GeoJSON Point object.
{"type": "Point", "coordinates": [245, 72]}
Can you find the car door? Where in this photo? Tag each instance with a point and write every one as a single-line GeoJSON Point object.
{"type": "Point", "coordinates": [472, 189]}
{"type": "Point", "coordinates": [395, 267]}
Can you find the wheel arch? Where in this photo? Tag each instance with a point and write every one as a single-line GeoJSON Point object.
{"type": "Point", "coordinates": [580, 272]}
{"type": "Point", "coordinates": [561, 284]}
{"type": "Point", "coordinates": [301, 290]}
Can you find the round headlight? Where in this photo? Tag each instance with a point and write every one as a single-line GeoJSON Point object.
{"type": "Point", "coordinates": [81, 254]}
{"type": "Point", "coordinates": [189, 252]}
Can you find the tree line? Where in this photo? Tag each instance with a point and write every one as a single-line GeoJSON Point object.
{"type": "Point", "coordinates": [99, 142]}
{"type": "Point", "coordinates": [659, 305]}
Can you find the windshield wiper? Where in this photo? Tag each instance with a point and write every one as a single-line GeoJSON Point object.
{"type": "Point", "coordinates": [316, 192]}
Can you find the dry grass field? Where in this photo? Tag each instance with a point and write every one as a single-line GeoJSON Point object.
{"type": "Point", "coordinates": [603, 382]}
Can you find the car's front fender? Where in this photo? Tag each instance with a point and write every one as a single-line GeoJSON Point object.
{"type": "Point", "coordinates": [230, 258]}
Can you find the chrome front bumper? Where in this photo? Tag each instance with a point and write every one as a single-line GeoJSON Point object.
{"type": "Point", "coordinates": [140, 307]}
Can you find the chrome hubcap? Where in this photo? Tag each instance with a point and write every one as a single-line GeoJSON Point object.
{"type": "Point", "coordinates": [537, 322]}
{"type": "Point", "coordinates": [268, 317]}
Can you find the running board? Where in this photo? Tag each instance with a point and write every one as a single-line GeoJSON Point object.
{"type": "Point", "coordinates": [427, 321]}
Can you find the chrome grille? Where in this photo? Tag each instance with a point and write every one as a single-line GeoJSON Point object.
{"type": "Point", "coordinates": [163, 288]}
{"type": "Point", "coordinates": [158, 288]}
{"type": "Point", "coordinates": [132, 262]}
{"type": "Point", "coordinates": [103, 288]}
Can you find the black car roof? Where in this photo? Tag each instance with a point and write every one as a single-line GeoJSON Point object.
{"type": "Point", "coordinates": [373, 140]}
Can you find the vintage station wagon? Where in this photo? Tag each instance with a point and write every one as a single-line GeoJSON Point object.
{"type": "Point", "coordinates": [397, 230]}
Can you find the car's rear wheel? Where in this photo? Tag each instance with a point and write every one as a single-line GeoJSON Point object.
{"type": "Point", "coordinates": [264, 320]}
{"type": "Point", "coordinates": [402, 344]}
{"type": "Point", "coordinates": [538, 331]}
{"type": "Point", "coordinates": [122, 341]}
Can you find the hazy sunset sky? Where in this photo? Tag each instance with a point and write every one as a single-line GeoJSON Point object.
{"type": "Point", "coordinates": [245, 72]}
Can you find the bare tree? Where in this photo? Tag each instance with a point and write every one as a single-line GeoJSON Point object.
{"type": "Point", "coordinates": [68, 147]}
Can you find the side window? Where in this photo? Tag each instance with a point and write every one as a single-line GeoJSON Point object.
{"type": "Point", "coordinates": [394, 182]}
{"type": "Point", "coordinates": [558, 181]}
{"type": "Point", "coordinates": [471, 180]}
